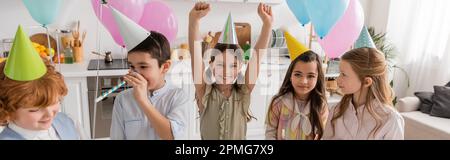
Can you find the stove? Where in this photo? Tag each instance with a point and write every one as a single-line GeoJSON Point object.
{"type": "Point", "coordinates": [103, 113]}
{"type": "Point", "coordinates": [115, 65]}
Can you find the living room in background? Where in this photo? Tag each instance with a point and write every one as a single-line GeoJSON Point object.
{"type": "Point", "coordinates": [420, 31]}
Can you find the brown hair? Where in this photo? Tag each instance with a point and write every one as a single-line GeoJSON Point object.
{"type": "Point", "coordinates": [367, 62]}
{"type": "Point", "coordinates": [237, 51]}
{"type": "Point", "coordinates": [232, 49]}
{"type": "Point", "coordinates": [41, 92]}
{"type": "Point", "coordinates": [157, 45]}
{"type": "Point", "coordinates": [316, 98]}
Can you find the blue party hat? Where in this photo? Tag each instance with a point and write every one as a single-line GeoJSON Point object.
{"type": "Point", "coordinates": [364, 39]}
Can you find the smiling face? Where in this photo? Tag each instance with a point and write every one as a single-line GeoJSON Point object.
{"type": "Point", "coordinates": [35, 118]}
{"type": "Point", "coordinates": [348, 81]}
{"type": "Point", "coordinates": [32, 104]}
{"type": "Point", "coordinates": [304, 78]}
{"type": "Point", "coordinates": [226, 68]}
{"type": "Point", "coordinates": [148, 67]}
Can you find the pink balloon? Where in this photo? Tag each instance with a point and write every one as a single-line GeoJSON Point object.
{"type": "Point", "coordinates": [133, 9]}
{"type": "Point", "coordinates": [159, 17]}
{"type": "Point", "coordinates": [345, 32]}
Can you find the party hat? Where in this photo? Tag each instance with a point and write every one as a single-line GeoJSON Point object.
{"type": "Point", "coordinates": [364, 39]}
{"type": "Point", "coordinates": [294, 46]}
{"type": "Point", "coordinates": [132, 33]}
{"type": "Point", "coordinates": [24, 63]}
{"type": "Point", "coordinates": [228, 35]}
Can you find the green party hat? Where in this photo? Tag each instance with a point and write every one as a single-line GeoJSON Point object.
{"type": "Point", "coordinates": [228, 35]}
{"type": "Point", "coordinates": [24, 63]}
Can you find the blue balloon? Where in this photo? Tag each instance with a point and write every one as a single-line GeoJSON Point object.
{"type": "Point", "coordinates": [298, 8]}
{"type": "Point", "coordinates": [325, 14]}
{"type": "Point", "coordinates": [43, 11]}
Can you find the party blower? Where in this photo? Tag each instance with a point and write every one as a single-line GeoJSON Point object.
{"type": "Point", "coordinates": [105, 94]}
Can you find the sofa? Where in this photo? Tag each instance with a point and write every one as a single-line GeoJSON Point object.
{"type": "Point", "coordinates": [419, 125]}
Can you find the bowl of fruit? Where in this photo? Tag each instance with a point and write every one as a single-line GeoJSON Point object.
{"type": "Point", "coordinates": [40, 43]}
{"type": "Point", "coordinates": [43, 51]}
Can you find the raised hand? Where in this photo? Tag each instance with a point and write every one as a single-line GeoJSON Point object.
{"type": "Point", "coordinates": [139, 83]}
{"type": "Point", "coordinates": [200, 10]}
{"type": "Point", "coordinates": [265, 13]}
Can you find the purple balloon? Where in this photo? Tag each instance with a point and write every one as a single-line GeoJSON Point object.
{"type": "Point", "coordinates": [159, 17]}
{"type": "Point", "coordinates": [345, 32]}
{"type": "Point", "coordinates": [133, 9]}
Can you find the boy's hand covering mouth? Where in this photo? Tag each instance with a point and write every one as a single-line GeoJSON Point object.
{"type": "Point", "coordinates": [139, 83]}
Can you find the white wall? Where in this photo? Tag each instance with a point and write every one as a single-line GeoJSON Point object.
{"type": "Point", "coordinates": [378, 14]}
{"type": "Point", "coordinates": [13, 12]}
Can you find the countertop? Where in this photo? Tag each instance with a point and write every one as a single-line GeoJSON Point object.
{"type": "Point", "coordinates": [80, 69]}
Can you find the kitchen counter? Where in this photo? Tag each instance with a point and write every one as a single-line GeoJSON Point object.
{"type": "Point", "coordinates": [80, 69]}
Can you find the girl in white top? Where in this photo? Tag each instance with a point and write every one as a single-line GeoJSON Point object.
{"type": "Point", "coordinates": [365, 112]}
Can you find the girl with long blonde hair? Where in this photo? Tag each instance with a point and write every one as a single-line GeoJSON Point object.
{"type": "Point", "coordinates": [366, 110]}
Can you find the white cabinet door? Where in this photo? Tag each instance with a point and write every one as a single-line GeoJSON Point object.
{"type": "Point", "coordinates": [258, 107]}
{"type": "Point", "coordinates": [267, 86]}
{"type": "Point", "coordinates": [75, 104]}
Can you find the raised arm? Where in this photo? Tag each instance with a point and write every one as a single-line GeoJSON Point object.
{"type": "Point", "coordinates": [199, 11]}
{"type": "Point", "coordinates": [252, 72]}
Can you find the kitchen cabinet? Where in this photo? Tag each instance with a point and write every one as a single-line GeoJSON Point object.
{"type": "Point", "coordinates": [75, 104]}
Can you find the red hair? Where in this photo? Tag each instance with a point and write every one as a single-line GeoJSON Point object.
{"type": "Point", "coordinates": [41, 92]}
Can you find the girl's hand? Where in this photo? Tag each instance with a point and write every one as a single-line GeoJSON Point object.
{"type": "Point", "coordinates": [139, 83]}
{"type": "Point", "coordinates": [265, 13]}
{"type": "Point", "coordinates": [200, 10]}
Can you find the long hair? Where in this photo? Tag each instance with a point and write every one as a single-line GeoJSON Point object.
{"type": "Point", "coordinates": [316, 97]}
{"type": "Point", "coordinates": [237, 52]}
{"type": "Point", "coordinates": [367, 62]}
{"type": "Point", "coordinates": [41, 92]}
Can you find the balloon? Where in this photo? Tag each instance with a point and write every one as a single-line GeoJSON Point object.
{"type": "Point", "coordinates": [346, 31]}
{"type": "Point", "coordinates": [159, 17]}
{"type": "Point", "coordinates": [133, 9]}
{"type": "Point", "coordinates": [298, 8]}
{"type": "Point", "coordinates": [43, 11]}
{"type": "Point", "coordinates": [325, 14]}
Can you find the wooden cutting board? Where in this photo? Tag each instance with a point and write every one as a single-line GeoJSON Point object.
{"type": "Point", "coordinates": [243, 32]}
